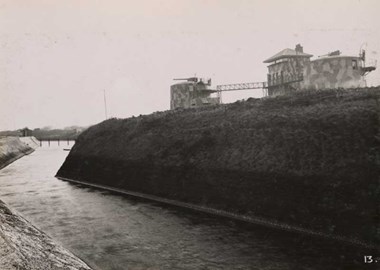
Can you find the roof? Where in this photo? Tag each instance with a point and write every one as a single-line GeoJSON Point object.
{"type": "Point", "coordinates": [335, 57]}
{"type": "Point", "coordinates": [285, 54]}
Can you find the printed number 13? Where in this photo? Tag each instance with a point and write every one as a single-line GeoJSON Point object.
{"type": "Point", "coordinates": [368, 259]}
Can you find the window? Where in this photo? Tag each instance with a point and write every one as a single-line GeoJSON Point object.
{"type": "Point", "coordinates": [354, 64]}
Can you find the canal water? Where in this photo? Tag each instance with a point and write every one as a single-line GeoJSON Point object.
{"type": "Point", "coordinates": [111, 231]}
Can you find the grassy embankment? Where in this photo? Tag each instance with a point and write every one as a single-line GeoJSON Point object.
{"type": "Point", "coordinates": [309, 159]}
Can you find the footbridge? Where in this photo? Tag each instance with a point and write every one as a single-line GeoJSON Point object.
{"type": "Point", "coordinates": [241, 86]}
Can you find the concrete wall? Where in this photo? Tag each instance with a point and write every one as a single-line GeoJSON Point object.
{"type": "Point", "coordinates": [190, 94]}
{"type": "Point", "coordinates": [12, 148]}
{"type": "Point", "coordinates": [288, 67]}
{"type": "Point", "coordinates": [30, 141]}
{"type": "Point", "coordinates": [333, 72]}
{"type": "Point", "coordinates": [22, 246]}
{"type": "Point", "coordinates": [180, 95]}
{"type": "Point", "coordinates": [323, 73]}
{"type": "Point", "coordinates": [284, 75]}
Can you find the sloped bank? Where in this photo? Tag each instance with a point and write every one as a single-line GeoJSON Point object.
{"type": "Point", "coordinates": [309, 160]}
{"type": "Point", "coordinates": [13, 148]}
{"type": "Point", "coordinates": [22, 246]}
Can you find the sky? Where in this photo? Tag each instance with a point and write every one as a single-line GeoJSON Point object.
{"type": "Point", "coordinates": [58, 58]}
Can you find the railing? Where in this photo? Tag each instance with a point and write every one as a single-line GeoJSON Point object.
{"type": "Point", "coordinates": [372, 63]}
{"type": "Point", "coordinates": [58, 141]}
{"type": "Point", "coordinates": [370, 66]}
{"type": "Point", "coordinates": [241, 86]}
{"type": "Point", "coordinates": [285, 79]}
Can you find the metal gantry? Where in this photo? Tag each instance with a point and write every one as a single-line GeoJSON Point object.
{"type": "Point", "coordinates": [241, 86]}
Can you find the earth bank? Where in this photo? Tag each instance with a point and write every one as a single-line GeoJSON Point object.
{"type": "Point", "coordinates": [308, 159]}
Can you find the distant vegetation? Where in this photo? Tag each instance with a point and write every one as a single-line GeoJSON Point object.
{"type": "Point", "coordinates": [310, 159]}
{"type": "Point", "coordinates": [49, 133]}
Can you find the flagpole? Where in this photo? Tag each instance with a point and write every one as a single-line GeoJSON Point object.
{"type": "Point", "coordinates": [105, 104]}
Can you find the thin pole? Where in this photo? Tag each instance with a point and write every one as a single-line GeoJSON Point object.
{"type": "Point", "coordinates": [105, 104]}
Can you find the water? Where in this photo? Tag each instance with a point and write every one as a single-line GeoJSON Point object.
{"type": "Point", "coordinates": [111, 231]}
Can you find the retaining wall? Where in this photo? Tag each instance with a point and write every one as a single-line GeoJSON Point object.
{"type": "Point", "coordinates": [23, 246]}
{"type": "Point", "coordinates": [13, 148]}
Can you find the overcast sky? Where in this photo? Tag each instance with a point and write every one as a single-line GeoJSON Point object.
{"type": "Point", "coordinates": [57, 57]}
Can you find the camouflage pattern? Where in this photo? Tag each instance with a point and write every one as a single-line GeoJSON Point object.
{"type": "Point", "coordinates": [283, 89]}
{"type": "Point", "coordinates": [294, 74]}
{"type": "Point", "coordinates": [180, 95]}
{"type": "Point", "coordinates": [333, 72]}
{"type": "Point", "coordinates": [191, 94]}
{"type": "Point", "coordinates": [285, 76]}
{"type": "Point", "coordinates": [288, 68]}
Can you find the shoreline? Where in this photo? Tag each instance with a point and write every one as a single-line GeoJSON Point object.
{"type": "Point", "coordinates": [24, 246]}
{"type": "Point", "coordinates": [14, 148]}
{"type": "Point", "coordinates": [10, 161]}
{"type": "Point", "coordinates": [221, 213]}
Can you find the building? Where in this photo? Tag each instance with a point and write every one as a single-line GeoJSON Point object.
{"type": "Point", "coordinates": [192, 92]}
{"type": "Point", "coordinates": [291, 70]}
{"type": "Point", "coordinates": [26, 132]}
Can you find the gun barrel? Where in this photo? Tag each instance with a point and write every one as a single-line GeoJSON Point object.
{"type": "Point", "coordinates": [193, 79]}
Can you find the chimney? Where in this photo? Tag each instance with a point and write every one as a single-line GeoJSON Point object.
{"type": "Point", "coordinates": [299, 48]}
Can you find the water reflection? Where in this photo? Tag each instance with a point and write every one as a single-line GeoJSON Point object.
{"type": "Point", "coordinates": [111, 231]}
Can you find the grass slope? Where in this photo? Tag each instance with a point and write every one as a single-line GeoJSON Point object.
{"type": "Point", "coordinates": [310, 159]}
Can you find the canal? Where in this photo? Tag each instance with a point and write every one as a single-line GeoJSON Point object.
{"type": "Point", "coordinates": [111, 231]}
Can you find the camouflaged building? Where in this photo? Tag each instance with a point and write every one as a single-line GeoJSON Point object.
{"type": "Point", "coordinates": [291, 70]}
{"type": "Point", "coordinates": [192, 92]}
